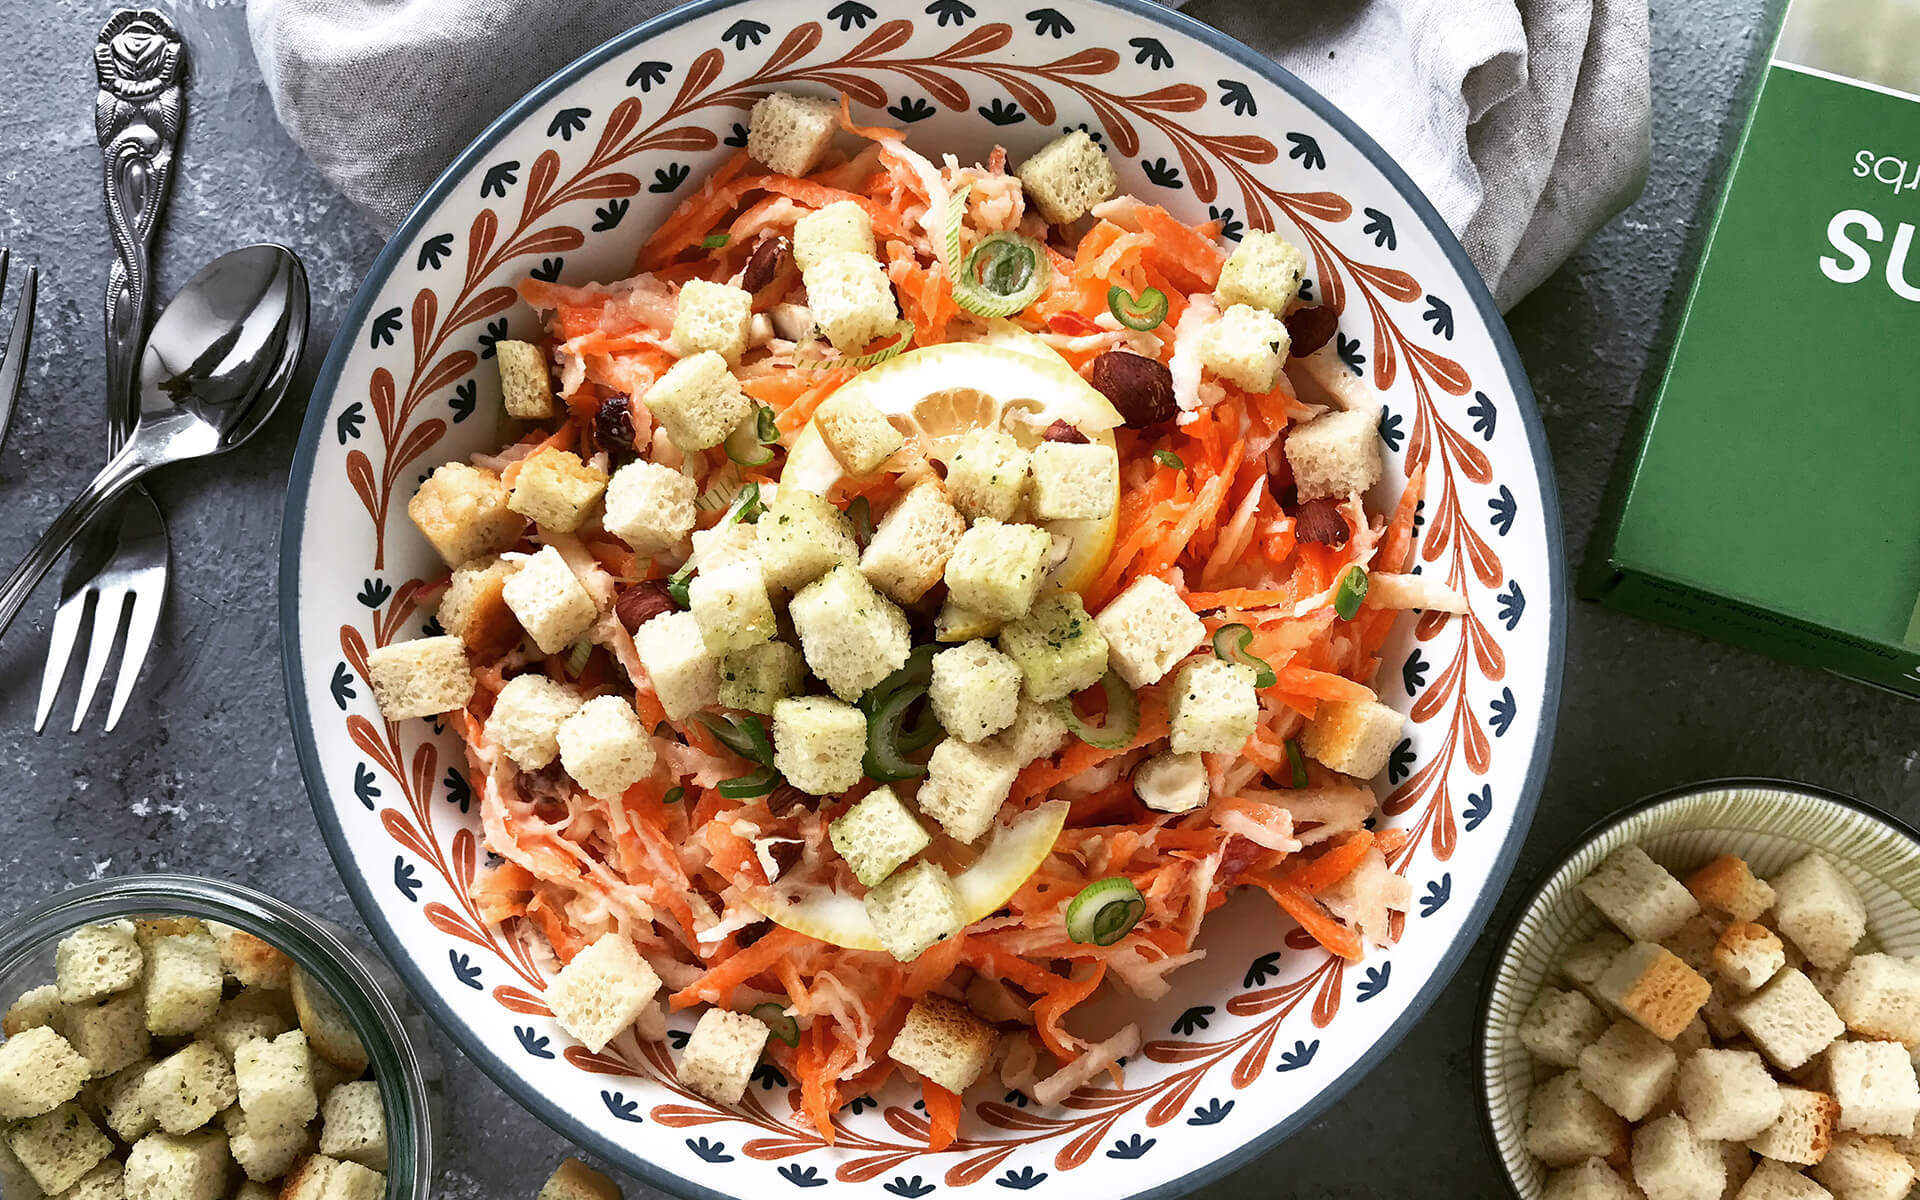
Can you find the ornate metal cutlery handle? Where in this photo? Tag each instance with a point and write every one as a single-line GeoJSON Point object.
{"type": "Point", "coordinates": [140, 60]}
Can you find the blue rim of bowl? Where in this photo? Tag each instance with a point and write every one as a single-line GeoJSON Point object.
{"type": "Point", "coordinates": [1580, 842]}
{"type": "Point", "coordinates": [313, 429]}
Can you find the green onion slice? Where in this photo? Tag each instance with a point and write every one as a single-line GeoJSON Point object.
{"type": "Point", "coordinates": [577, 655]}
{"type": "Point", "coordinates": [1168, 458]}
{"type": "Point", "coordinates": [860, 512]}
{"type": "Point", "coordinates": [751, 445]}
{"type": "Point", "coordinates": [1142, 314]}
{"type": "Point", "coordinates": [746, 506]}
{"type": "Point", "coordinates": [1003, 274]}
{"type": "Point", "coordinates": [745, 736]}
{"type": "Point", "coordinates": [956, 213]}
{"type": "Point", "coordinates": [675, 795]}
{"type": "Point", "coordinates": [902, 338]}
{"type": "Point", "coordinates": [1298, 762]}
{"type": "Point", "coordinates": [721, 491]}
{"type": "Point", "coordinates": [714, 241]}
{"type": "Point", "coordinates": [1230, 642]}
{"type": "Point", "coordinates": [886, 758]}
{"type": "Point", "coordinates": [1105, 911]}
{"type": "Point", "coordinates": [1122, 720]}
{"type": "Point", "coordinates": [746, 787]}
{"type": "Point", "coordinates": [774, 1016]}
{"type": "Point", "coordinates": [677, 584]}
{"type": "Point", "coordinates": [1351, 592]}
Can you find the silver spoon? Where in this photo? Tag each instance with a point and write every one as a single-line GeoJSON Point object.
{"type": "Point", "coordinates": [216, 366]}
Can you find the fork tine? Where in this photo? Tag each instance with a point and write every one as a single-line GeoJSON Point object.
{"type": "Point", "coordinates": [14, 366]}
{"type": "Point", "coordinates": [141, 623]}
{"type": "Point", "coordinates": [106, 630]}
{"type": "Point", "coordinates": [67, 620]}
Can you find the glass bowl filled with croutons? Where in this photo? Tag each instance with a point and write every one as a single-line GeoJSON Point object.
{"type": "Point", "coordinates": [1716, 994]}
{"type": "Point", "coordinates": [178, 1038]}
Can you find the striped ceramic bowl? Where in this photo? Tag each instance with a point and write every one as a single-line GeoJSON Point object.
{"type": "Point", "coordinates": [1768, 823]}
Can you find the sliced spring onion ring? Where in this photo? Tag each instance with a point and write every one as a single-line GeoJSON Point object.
{"type": "Point", "coordinates": [1351, 592]}
{"type": "Point", "coordinates": [745, 736]}
{"type": "Point", "coordinates": [1142, 314]}
{"type": "Point", "coordinates": [677, 585]}
{"type": "Point", "coordinates": [675, 795]}
{"type": "Point", "coordinates": [577, 655]}
{"type": "Point", "coordinates": [774, 1016]}
{"type": "Point", "coordinates": [1298, 762]}
{"type": "Point", "coordinates": [746, 787]}
{"type": "Point", "coordinates": [1122, 720]}
{"type": "Point", "coordinates": [1230, 643]}
{"type": "Point", "coordinates": [1105, 911]}
{"type": "Point", "coordinates": [886, 758]}
{"type": "Point", "coordinates": [719, 493]}
{"type": "Point", "coordinates": [751, 445]}
{"type": "Point", "coordinates": [1003, 274]}
{"type": "Point", "coordinates": [1168, 458]}
{"type": "Point", "coordinates": [714, 241]}
{"type": "Point", "coordinates": [956, 213]}
{"type": "Point", "coordinates": [860, 512]}
{"type": "Point", "coordinates": [902, 335]}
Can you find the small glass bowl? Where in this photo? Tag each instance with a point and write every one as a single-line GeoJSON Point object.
{"type": "Point", "coordinates": [383, 1014]}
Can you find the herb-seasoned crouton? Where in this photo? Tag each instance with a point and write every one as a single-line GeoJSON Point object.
{"type": "Point", "coordinates": [852, 300]}
{"type": "Point", "coordinates": [1264, 270]}
{"type": "Point", "coordinates": [549, 601]}
{"type": "Point", "coordinates": [1172, 783]}
{"type": "Point", "coordinates": [420, 678]}
{"type": "Point", "coordinates": [802, 537]}
{"type": "Point", "coordinates": [1639, 896]}
{"type": "Point", "coordinates": [730, 604]}
{"type": "Point", "coordinates": [721, 1054]}
{"type": "Point", "coordinates": [33, 1009]}
{"type": "Point", "coordinates": [604, 747]}
{"type": "Point", "coordinates": [877, 835]}
{"type": "Point", "coordinates": [354, 1125]}
{"type": "Point", "coordinates": [1728, 1094]}
{"type": "Point", "coordinates": [1335, 455]}
{"type": "Point", "coordinates": [463, 511]}
{"type": "Point", "coordinates": [1653, 988]}
{"type": "Point", "coordinates": [58, 1148]}
{"type": "Point", "coordinates": [1058, 647]}
{"type": "Point", "coordinates": [1777, 1181]}
{"type": "Point", "coordinates": [183, 983]}
{"type": "Point", "coordinates": [698, 401]}
{"type": "Point", "coordinates": [601, 991]}
{"type": "Point", "coordinates": [723, 545]}
{"type": "Point", "coordinates": [759, 676]}
{"type": "Point", "coordinates": [110, 1035]}
{"type": "Point", "coordinates": [1148, 628]}
{"type": "Point", "coordinates": [1671, 1162]}
{"type": "Point", "coordinates": [250, 1013]}
{"type": "Point", "coordinates": [852, 636]}
{"type": "Point", "coordinates": [1590, 1180]}
{"type": "Point", "coordinates": [912, 909]}
{"type": "Point", "coordinates": [1816, 909]}
{"type": "Point", "coordinates": [189, 1087]}
{"type": "Point", "coordinates": [1789, 1020]}
{"type": "Point", "coordinates": [818, 743]}
{"type": "Point", "coordinates": [987, 475]}
{"type": "Point", "coordinates": [526, 718]}
{"type": "Point", "coordinates": [102, 1183]}
{"type": "Point", "coordinates": [965, 787]}
{"type": "Point", "coordinates": [1747, 955]}
{"type": "Point", "coordinates": [1038, 731]}
{"type": "Point", "coordinates": [649, 507]}
{"type": "Point", "coordinates": [1065, 178]}
{"type": "Point", "coordinates": [122, 1103]}
{"type": "Point", "coordinates": [856, 432]}
{"type": "Point", "coordinates": [1567, 1124]}
{"type": "Point", "coordinates": [1628, 1068]}
{"type": "Point", "coordinates": [788, 133]}
{"type": "Point", "coordinates": [330, 1034]}
{"type": "Point", "coordinates": [574, 1180]}
{"type": "Point", "coordinates": [1353, 737]}
{"type": "Point", "coordinates": [956, 623]}
{"type": "Point", "coordinates": [1879, 997]}
{"type": "Point", "coordinates": [526, 385]}
{"type": "Point", "coordinates": [1728, 886]}
{"type": "Point", "coordinates": [1214, 707]}
{"type": "Point", "coordinates": [1247, 347]}
{"type": "Point", "coordinates": [842, 227]}
{"type": "Point", "coordinates": [264, 1151]}
{"type": "Point", "coordinates": [276, 1085]}
{"type": "Point", "coordinates": [323, 1178]}
{"type": "Point", "coordinates": [555, 490]}
{"type": "Point", "coordinates": [252, 961]}
{"type": "Point", "coordinates": [975, 691]}
{"type": "Point", "coordinates": [683, 674]}
{"type": "Point", "coordinates": [162, 1166]}
{"type": "Point", "coordinates": [712, 316]}
{"type": "Point", "coordinates": [1861, 1167]}
{"type": "Point", "coordinates": [944, 1042]}
{"type": "Point", "coordinates": [1560, 1025]}
{"type": "Point", "coordinates": [996, 570]}
{"type": "Point", "coordinates": [474, 608]}
{"type": "Point", "coordinates": [1073, 480]}
{"type": "Point", "coordinates": [1874, 1084]}
{"type": "Point", "coordinates": [97, 960]}
{"type": "Point", "coordinates": [912, 543]}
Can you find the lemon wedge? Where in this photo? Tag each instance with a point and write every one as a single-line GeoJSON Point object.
{"type": "Point", "coordinates": [1012, 381]}
{"type": "Point", "coordinates": [1013, 854]}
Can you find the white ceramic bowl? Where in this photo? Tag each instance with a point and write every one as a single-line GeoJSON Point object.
{"type": "Point", "coordinates": [1769, 824]}
{"type": "Point", "coordinates": [1266, 1031]}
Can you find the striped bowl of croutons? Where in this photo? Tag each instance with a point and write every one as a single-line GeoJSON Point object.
{"type": "Point", "coordinates": [1716, 994]}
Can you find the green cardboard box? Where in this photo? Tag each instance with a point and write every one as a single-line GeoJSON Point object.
{"type": "Point", "coordinates": [1772, 497]}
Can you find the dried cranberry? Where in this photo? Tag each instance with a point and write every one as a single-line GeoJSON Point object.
{"type": "Point", "coordinates": [1141, 388]}
{"type": "Point", "coordinates": [1311, 328]}
{"type": "Point", "coordinates": [763, 265]}
{"type": "Point", "coordinates": [1061, 431]}
{"type": "Point", "coordinates": [642, 602]}
{"type": "Point", "coordinates": [785, 796]}
{"type": "Point", "coordinates": [1320, 521]}
{"type": "Point", "coordinates": [784, 855]}
{"type": "Point", "coordinates": [613, 427]}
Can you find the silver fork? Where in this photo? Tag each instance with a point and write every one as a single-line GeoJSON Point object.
{"type": "Point", "coordinates": [13, 358]}
{"type": "Point", "coordinates": [119, 568]}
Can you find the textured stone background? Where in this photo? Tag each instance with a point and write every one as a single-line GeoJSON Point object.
{"type": "Point", "coordinates": [201, 776]}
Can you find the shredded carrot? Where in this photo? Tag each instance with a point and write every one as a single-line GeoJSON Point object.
{"type": "Point", "coordinates": [1314, 919]}
{"type": "Point", "coordinates": [943, 1114]}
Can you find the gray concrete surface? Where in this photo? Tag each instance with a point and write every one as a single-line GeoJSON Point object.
{"type": "Point", "coordinates": [201, 774]}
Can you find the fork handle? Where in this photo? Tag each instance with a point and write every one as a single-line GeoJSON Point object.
{"type": "Point", "coordinates": [122, 471]}
{"type": "Point", "coordinates": [140, 60]}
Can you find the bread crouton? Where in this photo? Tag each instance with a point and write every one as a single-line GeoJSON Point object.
{"type": "Point", "coordinates": [722, 1053]}
{"type": "Point", "coordinates": [1073, 480]}
{"type": "Point", "coordinates": [59, 1147]}
{"type": "Point", "coordinates": [877, 836]}
{"type": "Point", "coordinates": [724, 544]}
{"type": "Point", "coordinates": [1778, 1181]}
{"type": "Point", "coordinates": [600, 993]}
{"type": "Point", "coordinates": [1789, 1020]}
{"type": "Point", "coordinates": [856, 432]}
{"type": "Point", "coordinates": [1247, 347]}
{"type": "Point", "coordinates": [111, 1035]}
{"type": "Point", "coordinates": [1353, 737]}
{"type": "Point", "coordinates": [852, 636]}
{"type": "Point", "coordinates": [732, 608]}
{"type": "Point", "coordinates": [912, 543]}
{"type": "Point", "coordinates": [162, 1166]}
{"type": "Point", "coordinates": [987, 475]}
{"type": "Point", "coordinates": [996, 569]}
{"type": "Point", "coordinates": [96, 961]}
{"type": "Point", "coordinates": [102, 1183]}
{"type": "Point", "coordinates": [1583, 965]}
{"type": "Point", "coordinates": [943, 1042]}
{"type": "Point", "coordinates": [1728, 886]}
{"type": "Point", "coordinates": [912, 909]}
{"type": "Point", "coordinates": [549, 601]}
{"type": "Point", "coordinates": [760, 676]}
{"type": "Point", "coordinates": [1816, 909]}
{"type": "Point", "coordinates": [819, 743]}
{"type": "Point", "coordinates": [462, 510]}
{"type": "Point", "coordinates": [323, 1178]}
{"type": "Point", "coordinates": [957, 623]}
{"type": "Point", "coordinates": [698, 401]}
{"type": "Point", "coordinates": [788, 134]}
{"type": "Point", "coordinates": [1148, 628]}
{"type": "Point", "coordinates": [1671, 1162]}
{"type": "Point", "coordinates": [965, 788]}
{"type": "Point", "coordinates": [1654, 989]}
{"type": "Point", "coordinates": [842, 227]}
{"type": "Point", "coordinates": [802, 537]}
{"type": "Point", "coordinates": [1874, 1084]}
{"type": "Point", "coordinates": [1639, 896]}
{"type": "Point", "coordinates": [1264, 271]}
{"type": "Point", "coordinates": [1065, 178]}
{"type": "Point", "coordinates": [1879, 997]}
{"type": "Point", "coordinates": [1862, 1167]}
{"type": "Point", "coordinates": [1803, 1132]}
{"type": "Point", "coordinates": [183, 984]}
{"type": "Point", "coordinates": [1567, 1124]}
{"type": "Point", "coordinates": [604, 747]}
{"type": "Point", "coordinates": [1038, 731]}
{"type": "Point", "coordinates": [354, 1125]}
{"type": "Point", "coordinates": [263, 1151]}
{"type": "Point", "coordinates": [1058, 647]}
{"type": "Point", "coordinates": [1560, 1025]}
{"type": "Point", "coordinates": [1728, 1094]}
{"type": "Point", "coordinates": [275, 1083]}
{"type": "Point", "coordinates": [975, 691]}
{"type": "Point", "coordinates": [1335, 455]}
{"type": "Point", "coordinates": [1215, 707]}
{"type": "Point", "coordinates": [1590, 1180]}
{"type": "Point", "coordinates": [34, 1008]}
{"type": "Point", "coordinates": [684, 676]}
{"type": "Point", "coordinates": [852, 300]}
{"type": "Point", "coordinates": [474, 610]}
{"type": "Point", "coordinates": [1747, 955]}
{"type": "Point", "coordinates": [556, 490]}
{"type": "Point", "coordinates": [420, 678]}
{"type": "Point", "coordinates": [330, 1034]}
{"type": "Point", "coordinates": [575, 1180]}
{"type": "Point", "coordinates": [252, 962]}
{"type": "Point", "coordinates": [121, 1099]}
{"type": "Point", "coordinates": [1628, 1068]}
{"type": "Point", "coordinates": [526, 383]}
{"type": "Point", "coordinates": [711, 316]}
{"type": "Point", "coordinates": [650, 507]}
{"type": "Point", "coordinates": [526, 717]}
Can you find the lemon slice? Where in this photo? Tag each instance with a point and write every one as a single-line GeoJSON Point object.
{"type": "Point", "coordinates": [1013, 382]}
{"type": "Point", "coordinates": [1013, 854]}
